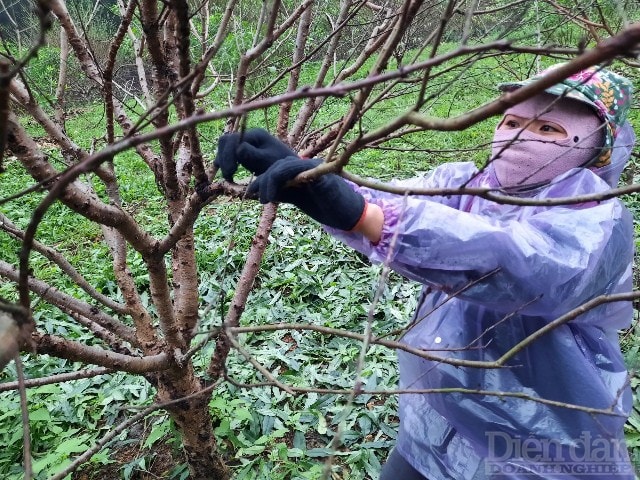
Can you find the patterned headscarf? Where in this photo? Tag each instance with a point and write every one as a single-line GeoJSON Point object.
{"type": "Point", "coordinates": [608, 93]}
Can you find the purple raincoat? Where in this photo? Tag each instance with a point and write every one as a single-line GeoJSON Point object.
{"type": "Point", "coordinates": [547, 260]}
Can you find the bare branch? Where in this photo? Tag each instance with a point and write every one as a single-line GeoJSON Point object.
{"type": "Point", "coordinates": [313, 103]}
{"type": "Point", "coordinates": [65, 266]}
{"type": "Point", "coordinates": [499, 363]}
{"type": "Point", "coordinates": [213, 49]}
{"type": "Point", "coordinates": [489, 11]}
{"type": "Point", "coordinates": [440, 391]}
{"type": "Point", "coordinates": [373, 340]}
{"type": "Point", "coordinates": [576, 312]}
{"type": "Point", "coordinates": [62, 79]}
{"type": "Point", "coordinates": [78, 352]}
{"type": "Point", "coordinates": [245, 284]}
{"type": "Point", "coordinates": [164, 75]}
{"type": "Point", "coordinates": [59, 378]}
{"type": "Point", "coordinates": [79, 46]}
{"type": "Point", "coordinates": [125, 23]}
{"type": "Point", "coordinates": [265, 373]}
{"type": "Point", "coordinates": [70, 305]}
{"type": "Point", "coordinates": [496, 195]}
{"type": "Point", "coordinates": [77, 197]}
{"type": "Point", "coordinates": [24, 410]}
{"type": "Point", "coordinates": [161, 295]}
{"type": "Point", "coordinates": [138, 46]}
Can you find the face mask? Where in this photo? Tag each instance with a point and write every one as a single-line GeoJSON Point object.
{"type": "Point", "coordinates": [522, 158]}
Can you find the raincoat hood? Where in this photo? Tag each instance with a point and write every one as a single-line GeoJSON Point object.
{"type": "Point", "coordinates": [620, 154]}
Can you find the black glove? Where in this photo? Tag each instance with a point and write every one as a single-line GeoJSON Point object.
{"type": "Point", "coordinates": [256, 150]}
{"type": "Point", "coordinates": [327, 199]}
{"type": "Point", "coordinates": [259, 150]}
{"type": "Point", "coordinates": [226, 158]}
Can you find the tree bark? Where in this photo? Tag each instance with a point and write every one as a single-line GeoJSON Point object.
{"type": "Point", "coordinates": [193, 420]}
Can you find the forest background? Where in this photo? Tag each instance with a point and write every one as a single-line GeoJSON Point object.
{"type": "Point", "coordinates": [170, 327]}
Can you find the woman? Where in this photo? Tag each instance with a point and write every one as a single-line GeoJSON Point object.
{"type": "Point", "coordinates": [493, 275]}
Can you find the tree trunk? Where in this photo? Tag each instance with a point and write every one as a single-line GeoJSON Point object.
{"type": "Point", "coordinates": [194, 423]}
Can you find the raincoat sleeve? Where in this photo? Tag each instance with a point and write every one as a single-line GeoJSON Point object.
{"type": "Point", "coordinates": [542, 261]}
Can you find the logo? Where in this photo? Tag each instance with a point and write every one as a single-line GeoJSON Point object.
{"type": "Point", "coordinates": [587, 455]}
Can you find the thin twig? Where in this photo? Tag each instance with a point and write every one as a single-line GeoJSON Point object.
{"type": "Point", "coordinates": [494, 194]}
{"type": "Point", "coordinates": [24, 409]}
{"type": "Point", "coordinates": [441, 391]}
{"type": "Point", "coordinates": [265, 373]}
{"type": "Point", "coordinates": [499, 363]}
{"type": "Point", "coordinates": [59, 378]}
{"type": "Point", "coordinates": [357, 388]}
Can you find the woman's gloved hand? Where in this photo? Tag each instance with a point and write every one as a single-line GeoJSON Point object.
{"type": "Point", "coordinates": [256, 150]}
{"type": "Point", "coordinates": [327, 199]}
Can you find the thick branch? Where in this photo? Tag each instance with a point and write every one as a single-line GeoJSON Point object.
{"type": "Point", "coordinates": [70, 150]}
{"type": "Point", "coordinates": [79, 46]}
{"type": "Point", "coordinates": [75, 195]}
{"type": "Point", "coordinates": [71, 305]}
{"type": "Point", "coordinates": [163, 77]}
{"type": "Point", "coordinates": [78, 352]}
{"type": "Point", "coordinates": [185, 283]}
{"type": "Point", "coordinates": [161, 295]}
{"type": "Point", "coordinates": [111, 340]}
{"type": "Point", "coordinates": [195, 164]}
{"type": "Point", "coordinates": [145, 332]}
{"type": "Point", "coordinates": [192, 208]}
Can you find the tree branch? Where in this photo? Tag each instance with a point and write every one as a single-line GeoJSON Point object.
{"type": "Point", "coordinates": [59, 378]}
{"type": "Point", "coordinates": [71, 305]}
{"type": "Point", "coordinates": [294, 74]}
{"type": "Point", "coordinates": [495, 195]}
{"type": "Point", "coordinates": [245, 284]}
{"type": "Point", "coordinates": [125, 24]}
{"type": "Point", "coordinates": [576, 312]}
{"type": "Point", "coordinates": [64, 265]}
{"type": "Point", "coordinates": [161, 295]}
{"type": "Point", "coordinates": [75, 195]}
{"type": "Point", "coordinates": [24, 410]}
{"type": "Point", "coordinates": [78, 352]}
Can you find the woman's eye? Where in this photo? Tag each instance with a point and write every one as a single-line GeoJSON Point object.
{"type": "Point", "coordinates": [548, 128]}
{"type": "Point", "coordinates": [511, 124]}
